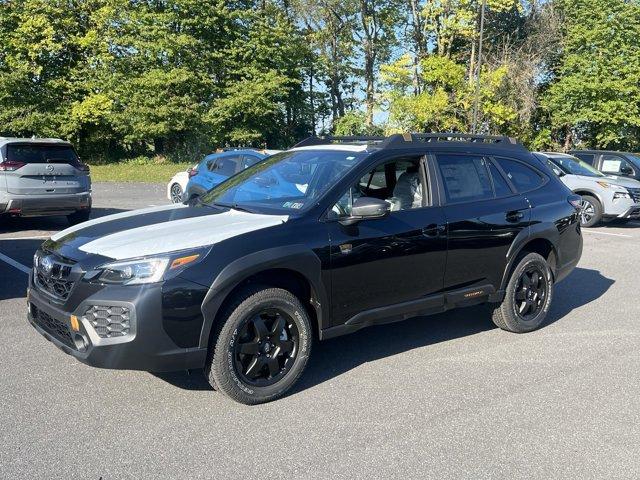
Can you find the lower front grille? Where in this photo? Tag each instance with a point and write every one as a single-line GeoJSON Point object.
{"type": "Point", "coordinates": [53, 326]}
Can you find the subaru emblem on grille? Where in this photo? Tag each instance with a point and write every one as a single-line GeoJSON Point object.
{"type": "Point", "coordinates": [49, 168]}
{"type": "Point", "coordinates": [46, 265]}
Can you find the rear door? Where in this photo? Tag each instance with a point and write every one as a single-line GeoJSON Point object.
{"type": "Point", "coordinates": [484, 215]}
{"type": "Point", "coordinates": [43, 169]}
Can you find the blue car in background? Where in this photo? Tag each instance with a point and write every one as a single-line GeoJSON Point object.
{"type": "Point", "coordinates": [216, 168]}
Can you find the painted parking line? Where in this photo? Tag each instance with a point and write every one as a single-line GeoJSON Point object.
{"type": "Point", "coordinates": [607, 233]}
{"type": "Point", "coordinates": [14, 264]}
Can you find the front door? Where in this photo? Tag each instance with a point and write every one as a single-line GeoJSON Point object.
{"type": "Point", "coordinates": [384, 262]}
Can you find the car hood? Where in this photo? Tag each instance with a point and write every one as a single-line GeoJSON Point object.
{"type": "Point", "coordinates": [156, 230]}
{"type": "Point", "coordinates": [623, 181]}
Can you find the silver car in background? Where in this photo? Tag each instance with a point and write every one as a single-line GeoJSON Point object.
{"type": "Point", "coordinates": [43, 177]}
{"type": "Point", "coordinates": [603, 197]}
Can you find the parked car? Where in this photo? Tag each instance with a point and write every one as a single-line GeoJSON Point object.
{"type": "Point", "coordinates": [178, 185]}
{"type": "Point", "coordinates": [603, 197]}
{"type": "Point", "coordinates": [242, 282]}
{"type": "Point", "coordinates": [616, 164]}
{"type": "Point", "coordinates": [43, 177]}
{"type": "Point", "coordinates": [216, 168]}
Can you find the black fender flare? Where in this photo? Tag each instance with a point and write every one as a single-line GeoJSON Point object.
{"type": "Point", "coordinates": [543, 231]}
{"type": "Point", "coordinates": [297, 258]}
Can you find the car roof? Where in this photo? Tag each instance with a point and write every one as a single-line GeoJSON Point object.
{"type": "Point", "coordinates": [56, 141]}
{"type": "Point", "coordinates": [601, 151]}
{"type": "Point", "coordinates": [227, 153]}
{"type": "Point", "coordinates": [556, 154]}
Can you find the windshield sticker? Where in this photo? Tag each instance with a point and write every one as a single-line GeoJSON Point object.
{"type": "Point", "coordinates": [294, 205]}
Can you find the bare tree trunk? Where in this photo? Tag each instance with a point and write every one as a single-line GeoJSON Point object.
{"type": "Point", "coordinates": [418, 43]}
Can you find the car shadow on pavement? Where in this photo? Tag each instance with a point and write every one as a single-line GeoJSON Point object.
{"type": "Point", "coordinates": [334, 357]}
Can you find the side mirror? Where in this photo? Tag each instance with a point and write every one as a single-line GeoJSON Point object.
{"type": "Point", "coordinates": [366, 208]}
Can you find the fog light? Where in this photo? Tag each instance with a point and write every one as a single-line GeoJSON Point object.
{"type": "Point", "coordinates": [109, 321]}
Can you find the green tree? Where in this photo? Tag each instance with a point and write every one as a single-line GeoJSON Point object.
{"type": "Point", "coordinates": [594, 93]}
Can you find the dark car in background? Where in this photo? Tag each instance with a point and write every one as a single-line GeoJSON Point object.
{"type": "Point", "coordinates": [43, 177]}
{"type": "Point", "coordinates": [612, 163]}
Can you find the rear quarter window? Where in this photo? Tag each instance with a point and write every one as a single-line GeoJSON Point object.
{"type": "Point", "coordinates": [523, 177]}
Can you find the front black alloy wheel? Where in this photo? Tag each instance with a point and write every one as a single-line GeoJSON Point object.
{"type": "Point", "coordinates": [260, 346]}
{"type": "Point", "coordinates": [266, 348]}
{"type": "Point", "coordinates": [527, 297]}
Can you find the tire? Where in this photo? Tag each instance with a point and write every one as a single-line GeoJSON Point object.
{"type": "Point", "coordinates": [591, 213]}
{"type": "Point", "coordinates": [514, 313]}
{"type": "Point", "coordinates": [78, 217]}
{"type": "Point", "coordinates": [176, 193]}
{"type": "Point", "coordinates": [250, 324]}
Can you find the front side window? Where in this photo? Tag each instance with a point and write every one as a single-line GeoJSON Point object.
{"type": "Point", "coordinates": [616, 165]}
{"type": "Point", "coordinates": [522, 176]}
{"type": "Point", "coordinates": [398, 182]}
{"type": "Point", "coordinates": [285, 183]}
{"type": "Point", "coordinates": [466, 178]}
{"type": "Point", "coordinates": [586, 157]}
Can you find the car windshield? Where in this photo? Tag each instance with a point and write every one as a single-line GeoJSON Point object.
{"type": "Point", "coordinates": [287, 182]}
{"type": "Point", "coordinates": [575, 166]}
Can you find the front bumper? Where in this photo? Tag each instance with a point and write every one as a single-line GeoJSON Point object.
{"type": "Point", "coordinates": [45, 205]}
{"type": "Point", "coordinates": [631, 212]}
{"type": "Point", "coordinates": [145, 346]}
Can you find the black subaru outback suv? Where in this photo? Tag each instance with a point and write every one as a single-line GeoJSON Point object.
{"type": "Point", "coordinates": [322, 240]}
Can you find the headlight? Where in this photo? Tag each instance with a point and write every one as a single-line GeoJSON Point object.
{"type": "Point", "coordinates": [617, 195]}
{"type": "Point", "coordinates": [133, 272]}
{"type": "Point", "coordinates": [143, 270]}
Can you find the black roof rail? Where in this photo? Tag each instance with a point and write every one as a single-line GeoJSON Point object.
{"type": "Point", "coordinates": [329, 139]}
{"type": "Point", "coordinates": [469, 137]}
{"type": "Point", "coordinates": [407, 139]}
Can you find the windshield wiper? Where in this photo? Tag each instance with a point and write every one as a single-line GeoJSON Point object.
{"type": "Point", "coordinates": [233, 206]}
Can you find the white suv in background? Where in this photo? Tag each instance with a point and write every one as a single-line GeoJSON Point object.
{"type": "Point", "coordinates": [603, 197]}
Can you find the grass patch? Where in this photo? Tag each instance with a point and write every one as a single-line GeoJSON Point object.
{"type": "Point", "coordinates": [137, 172]}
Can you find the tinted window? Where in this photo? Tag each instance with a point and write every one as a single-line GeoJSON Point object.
{"type": "Point", "coordinates": [466, 178]}
{"type": "Point", "coordinates": [226, 166]}
{"type": "Point", "coordinates": [248, 160]}
{"type": "Point", "coordinates": [616, 165]}
{"type": "Point", "coordinates": [523, 177]}
{"type": "Point", "coordinates": [586, 157]}
{"type": "Point", "coordinates": [33, 153]}
{"type": "Point", "coordinates": [500, 185]}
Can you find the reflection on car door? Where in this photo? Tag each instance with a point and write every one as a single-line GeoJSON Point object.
{"type": "Point", "coordinates": [381, 262]}
{"type": "Point", "coordinates": [484, 215]}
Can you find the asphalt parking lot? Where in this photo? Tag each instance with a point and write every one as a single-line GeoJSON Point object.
{"type": "Point", "coordinates": [448, 396]}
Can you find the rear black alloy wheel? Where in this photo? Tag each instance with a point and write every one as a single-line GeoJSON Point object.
{"type": "Point", "coordinates": [261, 345]}
{"type": "Point", "coordinates": [266, 348]}
{"type": "Point", "coordinates": [531, 293]}
{"type": "Point", "coordinates": [527, 297]}
{"type": "Point", "coordinates": [176, 193]}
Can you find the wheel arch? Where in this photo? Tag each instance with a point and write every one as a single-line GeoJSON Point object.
{"type": "Point", "coordinates": [591, 193]}
{"type": "Point", "coordinates": [293, 268]}
{"type": "Point", "coordinates": [541, 242]}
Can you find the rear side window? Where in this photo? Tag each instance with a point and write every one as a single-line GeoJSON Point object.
{"type": "Point", "coordinates": [226, 166]}
{"type": "Point", "coordinates": [34, 153]}
{"type": "Point", "coordinates": [522, 176]}
{"type": "Point", "coordinates": [466, 178]}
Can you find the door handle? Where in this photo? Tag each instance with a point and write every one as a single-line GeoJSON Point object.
{"type": "Point", "coordinates": [433, 230]}
{"type": "Point", "coordinates": [514, 216]}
